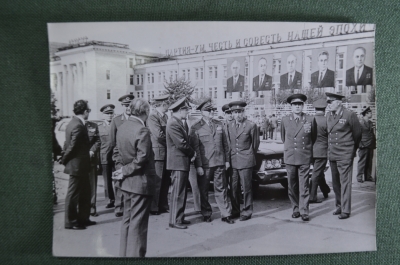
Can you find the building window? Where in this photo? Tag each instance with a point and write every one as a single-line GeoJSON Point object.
{"type": "Point", "coordinates": [225, 72]}
{"type": "Point", "coordinates": [201, 93]}
{"type": "Point", "coordinates": [364, 89]}
{"type": "Point", "coordinates": [225, 93]}
{"type": "Point", "coordinates": [159, 77]}
{"type": "Point", "coordinates": [108, 94]}
{"type": "Point", "coordinates": [210, 70]}
{"type": "Point", "coordinates": [108, 74]}
{"type": "Point", "coordinates": [176, 75]}
{"type": "Point", "coordinates": [215, 93]}
{"type": "Point", "coordinates": [152, 94]}
{"type": "Point", "coordinates": [201, 73]}
{"type": "Point", "coordinates": [196, 93]}
{"type": "Point", "coordinates": [138, 94]}
{"type": "Point", "coordinates": [184, 74]}
{"type": "Point", "coordinates": [210, 92]}
{"type": "Point", "coordinates": [130, 62]}
{"type": "Point", "coordinates": [131, 79]}
{"type": "Point", "coordinates": [141, 79]}
{"type": "Point", "coordinates": [137, 79]}
{"type": "Point", "coordinates": [152, 78]}
{"type": "Point", "coordinates": [340, 61]}
{"type": "Point", "coordinates": [216, 71]}
{"type": "Point", "coordinates": [188, 74]}
{"type": "Point", "coordinates": [131, 93]}
{"type": "Point", "coordinates": [148, 94]}
{"type": "Point", "coordinates": [340, 85]}
{"type": "Point", "coordinates": [138, 61]}
{"type": "Point", "coordinates": [197, 73]}
{"type": "Point", "coordinates": [148, 78]}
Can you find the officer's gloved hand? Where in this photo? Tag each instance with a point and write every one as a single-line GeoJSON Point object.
{"type": "Point", "coordinates": [200, 171]}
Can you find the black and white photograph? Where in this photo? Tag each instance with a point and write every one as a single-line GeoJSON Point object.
{"type": "Point", "coordinates": [207, 139]}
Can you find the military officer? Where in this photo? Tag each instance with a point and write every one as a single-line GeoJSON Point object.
{"type": "Point", "coordinates": [157, 123]}
{"type": "Point", "coordinates": [208, 138]}
{"type": "Point", "coordinates": [244, 142]}
{"type": "Point", "coordinates": [298, 132]}
{"type": "Point", "coordinates": [180, 154]}
{"type": "Point", "coordinates": [320, 153]}
{"type": "Point", "coordinates": [344, 135]}
{"type": "Point", "coordinates": [115, 123]}
{"type": "Point", "coordinates": [94, 139]}
{"type": "Point", "coordinates": [106, 153]}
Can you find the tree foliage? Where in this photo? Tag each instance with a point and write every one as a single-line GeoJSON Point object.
{"type": "Point", "coordinates": [53, 107]}
{"type": "Point", "coordinates": [372, 95]}
{"type": "Point", "coordinates": [312, 94]}
{"type": "Point", "coordinates": [179, 88]}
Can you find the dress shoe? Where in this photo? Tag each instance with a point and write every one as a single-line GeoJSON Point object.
{"type": "Point", "coordinates": [118, 214]}
{"type": "Point", "coordinates": [244, 217]}
{"type": "Point", "coordinates": [325, 194]}
{"type": "Point", "coordinates": [94, 214]}
{"type": "Point", "coordinates": [337, 212]}
{"type": "Point", "coordinates": [305, 217]}
{"type": "Point", "coordinates": [235, 215]}
{"type": "Point", "coordinates": [360, 180]}
{"type": "Point", "coordinates": [316, 201]}
{"type": "Point", "coordinates": [154, 213]}
{"type": "Point", "coordinates": [76, 227]}
{"type": "Point", "coordinates": [89, 223]}
{"type": "Point", "coordinates": [110, 205]}
{"type": "Point", "coordinates": [164, 211]}
{"type": "Point", "coordinates": [185, 222]}
{"type": "Point", "coordinates": [227, 220]}
{"type": "Point", "coordinates": [296, 215]}
{"type": "Point", "coordinates": [178, 226]}
{"type": "Point", "coordinates": [344, 216]}
{"type": "Point", "coordinates": [207, 219]}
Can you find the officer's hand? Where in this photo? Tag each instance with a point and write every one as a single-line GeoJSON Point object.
{"type": "Point", "coordinates": [200, 171]}
{"type": "Point", "coordinates": [227, 165]}
{"type": "Point", "coordinates": [91, 154]}
{"type": "Point", "coordinates": [193, 158]}
{"type": "Point", "coordinates": [117, 175]}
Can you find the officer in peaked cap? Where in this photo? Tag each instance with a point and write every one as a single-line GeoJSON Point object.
{"type": "Point", "coordinates": [108, 109]}
{"type": "Point", "coordinates": [157, 123]}
{"type": "Point", "coordinates": [237, 105]}
{"type": "Point", "coordinates": [320, 153]}
{"type": "Point", "coordinates": [116, 122]}
{"type": "Point", "coordinates": [344, 135]}
{"type": "Point", "coordinates": [367, 146]}
{"type": "Point", "coordinates": [179, 104]}
{"type": "Point", "coordinates": [298, 133]}
{"type": "Point", "coordinates": [225, 108]}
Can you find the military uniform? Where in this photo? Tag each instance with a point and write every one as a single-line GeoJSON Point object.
{"type": "Point", "coordinates": [366, 149]}
{"type": "Point", "coordinates": [94, 140]}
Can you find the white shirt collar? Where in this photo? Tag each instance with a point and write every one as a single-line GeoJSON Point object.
{"type": "Point", "coordinates": [134, 117]}
{"type": "Point", "coordinates": [126, 116]}
{"type": "Point", "coordinates": [323, 73]}
{"type": "Point", "coordinates": [83, 121]}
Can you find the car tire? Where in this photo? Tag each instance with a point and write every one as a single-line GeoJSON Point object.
{"type": "Point", "coordinates": [285, 184]}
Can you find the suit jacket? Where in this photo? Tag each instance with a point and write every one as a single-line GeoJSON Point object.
{"type": "Point", "coordinates": [105, 144]}
{"type": "Point", "coordinates": [94, 139]}
{"type": "Point", "coordinates": [179, 150]}
{"type": "Point", "coordinates": [365, 77]}
{"type": "Point", "coordinates": [76, 156]}
{"type": "Point", "coordinates": [244, 143]}
{"type": "Point", "coordinates": [273, 122]}
{"type": "Point", "coordinates": [328, 80]}
{"type": "Point", "coordinates": [115, 124]}
{"type": "Point", "coordinates": [296, 83]}
{"type": "Point", "coordinates": [320, 148]}
{"type": "Point", "coordinates": [135, 157]}
{"type": "Point", "coordinates": [298, 139]}
{"type": "Point", "coordinates": [265, 124]}
{"type": "Point", "coordinates": [210, 145]}
{"type": "Point", "coordinates": [344, 134]}
{"type": "Point", "coordinates": [157, 124]}
{"type": "Point", "coordinates": [266, 84]}
{"type": "Point", "coordinates": [368, 139]}
{"type": "Point", "coordinates": [239, 87]}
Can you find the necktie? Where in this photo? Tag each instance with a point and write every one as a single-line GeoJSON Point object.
{"type": "Point", "coordinates": [211, 127]}
{"type": "Point", "coordinates": [358, 75]}
{"type": "Point", "coordinates": [320, 79]}
{"type": "Point", "coordinates": [297, 120]}
{"type": "Point", "coordinates": [261, 80]}
{"type": "Point", "coordinates": [185, 125]}
{"type": "Point", "coordinates": [290, 80]}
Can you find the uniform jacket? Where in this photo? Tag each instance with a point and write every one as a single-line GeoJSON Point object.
{"type": "Point", "coordinates": [115, 124]}
{"type": "Point", "coordinates": [298, 139]}
{"type": "Point", "coordinates": [244, 143]}
{"type": "Point", "coordinates": [368, 139]}
{"type": "Point", "coordinates": [365, 77]}
{"type": "Point", "coordinates": [328, 80]}
{"type": "Point", "coordinates": [273, 122]}
{"type": "Point", "coordinates": [344, 134]}
{"type": "Point", "coordinates": [265, 124]}
{"type": "Point", "coordinates": [135, 156]}
{"type": "Point", "coordinates": [105, 144]}
{"type": "Point", "coordinates": [94, 139]}
{"type": "Point", "coordinates": [157, 124]}
{"type": "Point", "coordinates": [266, 84]}
{"type": "Point", "coordinates": [239, 87]}
{"type": "Point", "coordinates": [179, 150]}
{"type": "Point", "coordinates": [76, 156]}
{"type": "Point", "coordinates": [296, 83]}
{"type": "Point", "coordinates": [320, 148]}
{"type": "Point", "coordinates": [210, 145]}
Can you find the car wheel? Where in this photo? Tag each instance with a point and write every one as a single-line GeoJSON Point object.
{"type": "Point", "coordinates": [285, 184]}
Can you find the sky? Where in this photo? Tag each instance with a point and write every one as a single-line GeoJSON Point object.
{"type": "Point", "coordinates": [157, 37]}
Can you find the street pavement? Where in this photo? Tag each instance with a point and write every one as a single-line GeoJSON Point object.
{"type": "Point", "coordinates": [270, 231]}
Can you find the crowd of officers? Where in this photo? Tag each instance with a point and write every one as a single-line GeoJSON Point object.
{"type": "Point", "coordinates": [145, 155]}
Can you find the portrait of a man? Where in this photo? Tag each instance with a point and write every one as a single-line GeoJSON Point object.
{"type": "Point", "coordinates": [360, 74]}
{"type": "Point", "coordinates": [324, 77]}
{"type": "Point", "coordinates": [292, 79]}
{"type": "Point", "coordinates": [262, 82]}
{"type": "Point", "coordinates": [235, 83]}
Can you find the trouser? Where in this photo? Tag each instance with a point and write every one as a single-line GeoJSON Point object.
{"type": "Point", "coordinates": [298, 188]}
{"type": "Point", "coordinates": [365, 163]}
{"type": "Point", "coordinates": [77, 200]}
{"type": "Point", "coordinates": [342, 173]}
{"type": "Point", "coordinates": [232, 194]}
{"type": "Point", "coordinates": [178, 196]}
{"type": "Point", "coordinates": [265, 133]}
{"type": "Point", "coordinates": [93, 188]}
{"type": "Point", "coordinates": [195, 188]}
{"type": "Point", "coordinates": [162, 182]}
{"type": "Point", "coordinates": [108, 185]}
{"type": "Point", "coordinates": [272, 133]}
{"type": "Point", "coordinates": [220, 190]}
{"type": "Point", "coordinates": [134, 227]}
{"type": "Point", "coordinates": [245, 176]}
{"type": "Point", "coordinates": [318, 178]}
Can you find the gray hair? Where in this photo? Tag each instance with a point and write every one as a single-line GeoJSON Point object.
{"type": "Point", "coordinates": [139, 107]}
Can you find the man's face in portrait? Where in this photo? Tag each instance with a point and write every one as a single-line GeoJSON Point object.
{"type": "Point", "coordinates": [323, 62]}
{"type": "Point", "coordinates": [291, 63]}
{"type": "Point", "coordinates": [359, 58]}
{"type": "Point", "coordinates": [262, 66]}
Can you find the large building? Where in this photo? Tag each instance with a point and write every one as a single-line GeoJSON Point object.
{"type": "Point", "coordinates": [102, 72]}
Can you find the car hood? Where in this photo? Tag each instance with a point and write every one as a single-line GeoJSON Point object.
{"type": "Point", "coordinates": [270, 149]}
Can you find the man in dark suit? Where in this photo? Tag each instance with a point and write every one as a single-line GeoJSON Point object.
{"type": "Point", "coordinates": [265, 127]}
{"type": "Point", "coordinates": [273, 124]}
{"type": "Point", "coordinates": [235, 83]}
{"type": "Point", "coordinates": [157, 124]}
{"type": "Point", "coordinates": [344, 137]}
{"type": "Point", "coordinates": [367, 146]}
{"type": "Point", "coordinates": [136, 173]}
{"type": "Point", "coordinates": [208, 138]}
{"type": "Point", "coordinates": [244, 142]}
{"type": "Point", "coordinates": [323, 77]}
{"type": "Point", "coordinates": [116, 122]}
{"type": "Point", "coordinates": [180, 154]}
{"type": "Point", "coordinates": [298, 133]}
{"type": "Point", "coordinates": [262, 82]}
{"type": "Point", "coordinates": [106, 152]}
{"type": "Point", "coordinates": [76, 158]}
{"type": "Point", "coordinates": [292, 79]}
{"type": "Point", "coordinates": [360, 74]}
{"type": "Point", "coordinates": [94, 139]}
{"type": "Point", "coordinates": [320, 153]}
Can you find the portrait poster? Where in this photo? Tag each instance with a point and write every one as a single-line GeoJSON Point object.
{"type": "Point", "coordinates": [236, 72]}
{"type": "Point", "coordinates": [292, 70]}
{"type": "Point", "coordinates": [262, 71]}
{"type": "Point", "coordinates": [323, 67]}
{"type": "Point", "coordinates": [359, 66]}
